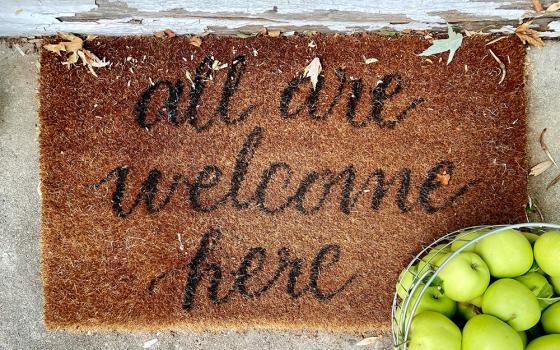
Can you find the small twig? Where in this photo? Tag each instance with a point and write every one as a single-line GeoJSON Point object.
{"type": "Point", "coordinates": [502, 66]}
{"type": "Point", "coordinates": [537, 5]}
{"type": "Point", "coordinates": [539, 212]}
{"type": "Point", "coordinates": [553, 182]}
{"type": "Point", "coordinates": [545, 148]}
{"type": "Point", "coordinates": [496, 40]}
{"type": "Point", "coordinates": [532, 207]}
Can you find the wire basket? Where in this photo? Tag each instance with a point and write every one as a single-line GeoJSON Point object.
{"type": "Point", "coordinates": [425, 277]}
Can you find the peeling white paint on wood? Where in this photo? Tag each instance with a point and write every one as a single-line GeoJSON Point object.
{"type": "Point", "coordinates": [110, 17]}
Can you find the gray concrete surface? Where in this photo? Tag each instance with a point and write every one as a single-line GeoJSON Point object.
{"type": "Point", "coordinates": [543, 109]}
{"type": "Point", "coordinates": [21, 324]}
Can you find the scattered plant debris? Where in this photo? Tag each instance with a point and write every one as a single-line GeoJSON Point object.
{"type": "Point", "coordinates": [545, 148]}
{"type": "Point", "coordinates": [553, 182]}
{"type": "Point", "coordinates": [554, 7]}
{"type": "Point", "coordinates": [531, 207]}
{"type": "Point", "coordinates": [148, 344]}
{"type": "Point", "coordinates": [451, 44]}
{"type": "Point", "coordinates": [496, 40]}
{"type": "Point", "coordinates": [443, 178]}
{"type": "Point", "coordinates": [528, 35]}
{"type": "Point", "coordinates": [369, 60]}
{"type": "Point", "coordinates": [195, 41]}
{"type": "Point", "coordinates": [74, 45]}
{"type": "Point", "coordinates": [166, 33]}
{"type": "Point", "coordinates": [312, 71]}
{"type": "Point", "coordinates": [502, 66]}
{"type": "Point", "coordinates": [367, 341]}
{"type": "Point", "coordinates": [540, 168]}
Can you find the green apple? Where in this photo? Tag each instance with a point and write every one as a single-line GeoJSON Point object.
{"type": "Point", "coordinates": [547, 342]}
{"type": "Point", "coordinates": [433, 258]}
{"type": "Point", "coordinates": [477, 301]}
{"type": "Point", "coordinates": [523, 337]}
{"type": "Point", "coordinates": [531, 237]}
{"type": "Point", "coordinates": [555, 281]}
{"type": "Point", "coordinates": [537, 283]}
{"type": "Point", "coordinates": [406, 279]}
{"type": "Point", "coordinates": [467, 236]}
{"type": "Point", "coordinates": [485, 332]}
{"type": "Point", "coordinates": [547, 252]}
{"type": "Point", "coordinates": [432, 300]}
{"type": "Point", "coordinates": [507, 253]}
{"type": "Point", "coordinates": [467, 310]}
{"type": "Point", "coordinates": [431, 330]}
{"type": "Point", "coordinates": [512, 302]}
{"type": "Point", "coordinates": [551, 318]}
{"type": "Point", "coordinates": [465, 277]}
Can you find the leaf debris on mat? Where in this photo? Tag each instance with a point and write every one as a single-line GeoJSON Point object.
{"type": "Point", "coordinates": [166, 33]}
{"type": "Point", "coordinates": [451, 44]}
{"type": "Point", "coordinates": [528, 35]}
{"type": "Point", "coordinates": [369, 60]}
{"type": "Point", "coordinates": [312, 71]}
{"type": "Point", "coordinates": [501, 64]}
{"type": "Point", "coordinates": [75, 46]}
{"type": "Point", "coordinates": [443, 178]}
{"type": "Point", "coordinates": [195, 41]}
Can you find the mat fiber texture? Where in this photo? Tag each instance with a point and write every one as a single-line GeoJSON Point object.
{"type": "Point", "coordinates": [213, 186]}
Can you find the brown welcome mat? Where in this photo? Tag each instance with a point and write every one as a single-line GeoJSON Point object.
{"type": "Point", "coordinates": [240, 196]}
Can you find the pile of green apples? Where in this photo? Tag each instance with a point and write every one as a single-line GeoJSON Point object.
{"type": "Point", "coordinates": [501, 292]}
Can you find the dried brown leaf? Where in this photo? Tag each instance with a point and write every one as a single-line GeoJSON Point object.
{"type": "Point", "coordinates": [540, 168]}
{"type": "Point", "coordinates": [56, 48]}
{"type": "Point", "coordinates": [90, 37]}
{"type": "Point", "coordinates": [312, 71]}
{"type": "Point", "coordinates": [74, 46]}
{"type": "Point", "coordinates": [367, 341]}
{"type": "Point", "coordinates": [72, 59]}
{"type": "Point", "coordinates": [166, 33]}
{"type": "Point", "coordinates": [528, 35]}
{"type": "Point", "coordinates": [195, 41]}
{"type": "Point", "coordinates": [274, 33]}
{"type": "Point", "coordinates": [443, 178]}
{"type": "Point", "coordinates": [69, 37]}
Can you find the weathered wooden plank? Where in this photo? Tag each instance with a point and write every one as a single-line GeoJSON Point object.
{"type": "Point", "coordinates": [46, 17]}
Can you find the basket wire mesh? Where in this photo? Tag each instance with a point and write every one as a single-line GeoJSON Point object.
{"type": "Point", "coordinates": [403, 309]}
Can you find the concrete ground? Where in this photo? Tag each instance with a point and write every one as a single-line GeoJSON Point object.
{"type": "Point", "coordinates": [21, 325]}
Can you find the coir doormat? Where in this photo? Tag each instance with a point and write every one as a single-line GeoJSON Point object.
{"type": "Point", "coordinates": [215, 186]}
